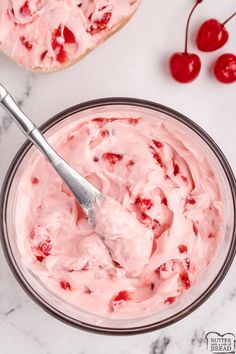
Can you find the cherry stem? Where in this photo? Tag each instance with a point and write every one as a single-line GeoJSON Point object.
{"type": "Point", "coordinates": [187, 26]}
{"type": "Point", "coordinates": [228, 19]}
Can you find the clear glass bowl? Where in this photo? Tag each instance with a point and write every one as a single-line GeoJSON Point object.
{"type": "Point", "coordinates": [189, 301]}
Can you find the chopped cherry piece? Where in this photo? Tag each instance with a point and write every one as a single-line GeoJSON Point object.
{"type": "Point", "coordinates": [158, 159]}
{"type": "Point", "coordinates": [195, 229]}
{"type": "Point", "coordinates": [65, 285]}
{"type": "Point", "coordinates": [155, 223]}
{"type": "Point", "coordinates": [158, 144]}
{"type": "Point", "coordinates": [156, 156]}
{"type": "Point", "coordinates": [161, 268]}
{"type": "Point", "coordinates": [62, 56]}
{"type": "Point", "coordinates": [183, 248]}
{"type": "Point", "coordinates": [100, 24]}
{"type": "Point", "coordinates": [164, 201]}
{"type": "Point", "coordinates": [122, 296]}
{"type": "Point", "coordinates": [69, 35]}
{"type": "Point", "coordinates": [25, 10]}
{"type": "Point", "coordinates": [99, 120]}
{"type": "Point", "coordinates": [104, 133]}
{"type": "Point", "coordinates": [184, 277]}
{"type": "Point", "coordinates": [34, 180]}
{"type": "Point", "coordinates": [133, 121]}
{"type": "Point", "coordinates": [87, 290]}
{"type": "Point", "coordinates": [187, 263]}
{"type": "Point", "coordinates": [154, 247]}
{"type": "Point", "coordinates": [55, 35]}
{"type": "Point", "coordinates": [40, 258]}
{"type": "Point", "coordinates": [191, 201]}
{"type": "Point", "coordinates": [211, 235]}
{"type": "Point", "coordinates": [144, 203]}
{"type": "Point", "coordinates": [112, 158]}
{"type": "Point", "coordinates": [170, 300]}
{"type": "Point", "coordinates": [57, 46]}
{"type": "Point", "coordinates": [176, 169]}
{"type": "Point", "coordinates": [116, 264]}
{"type": "Point", "coordinates": [43, 55]}
{"type": "Point", "coordinates": [130, 163]}
{"type": "Point", "coordinates": [26, 43]}
{"type": "Point", "coordinates": [44, 248]}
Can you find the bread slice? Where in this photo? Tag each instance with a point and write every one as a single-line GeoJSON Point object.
{"type": "Point", "coordinates": [51, 35]}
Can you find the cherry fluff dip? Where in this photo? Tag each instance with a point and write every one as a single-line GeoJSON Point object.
{"type": "Point", "coordinates": [165, 255]}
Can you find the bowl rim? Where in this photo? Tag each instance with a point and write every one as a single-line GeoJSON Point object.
{"type": "Point", "coordinates": [6, 186]}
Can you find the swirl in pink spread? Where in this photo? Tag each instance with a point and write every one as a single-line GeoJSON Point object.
{"type": "Point", "coordinates": [160, 235]}
{"type": "Point", "coordinates": [50, 34]}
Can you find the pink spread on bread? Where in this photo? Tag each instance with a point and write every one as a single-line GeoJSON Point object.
{"type": "Point", "coordinates": [48, 35]}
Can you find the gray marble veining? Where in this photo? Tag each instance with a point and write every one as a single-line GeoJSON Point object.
{"type": "Point", "coordinates": [121, 68]}
{"type": "Point", "coordinates": [5, 120]}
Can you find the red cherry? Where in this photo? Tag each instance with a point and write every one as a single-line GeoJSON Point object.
{"type": "Point", "coordinates": [211, 36]}
{"type": "Point", "coordinates": [184, 66]}
{"type": "Point", "coordinates": [225, 68]}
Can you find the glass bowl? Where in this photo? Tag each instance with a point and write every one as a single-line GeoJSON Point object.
{"type": "Point", "coordinates": [190, 300]}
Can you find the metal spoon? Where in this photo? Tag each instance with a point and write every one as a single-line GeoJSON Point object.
{"type": "Point", "coordinates": [85, 193]}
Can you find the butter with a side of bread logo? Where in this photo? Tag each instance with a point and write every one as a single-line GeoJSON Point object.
{"type": "Point", "coordinates": [221, 343]}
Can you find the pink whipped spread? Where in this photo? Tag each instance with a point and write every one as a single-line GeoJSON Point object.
{"type": "Point", "coordinates": [117, 227]}
{"type": "Point", "coordinates": [50, 34]}
{"type": "Point", "coordinates": [146, 260]}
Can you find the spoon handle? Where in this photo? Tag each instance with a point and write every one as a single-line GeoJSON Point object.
{"type": "Point", "coordinates": [84, 192]}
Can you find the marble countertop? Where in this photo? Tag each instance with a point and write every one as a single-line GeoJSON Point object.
{"type": "Point", "coordinates": [132, 63]}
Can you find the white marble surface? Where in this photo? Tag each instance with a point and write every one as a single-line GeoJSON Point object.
{"type": "Point", "coordinates": [133, 63]}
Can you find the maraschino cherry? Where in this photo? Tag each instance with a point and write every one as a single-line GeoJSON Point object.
{"type": "Point", "coordinates": [184, 66]}
{"type": "Point", "coordinates": [212, 35]}
{"type": "Point", "coordinates": [225, 68]}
